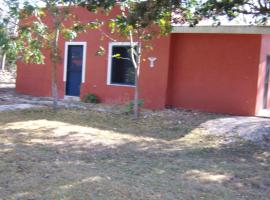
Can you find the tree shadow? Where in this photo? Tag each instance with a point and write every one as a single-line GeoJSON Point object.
{"type": "Point", "coordinates": [65, 168]}
{"type": "Point", "coordinates": [167, 125]}
{"type": "Point", "coordinates": [7, 90]}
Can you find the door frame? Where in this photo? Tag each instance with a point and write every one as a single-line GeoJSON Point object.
{"type": "Point", "coordinates": [266, 77]}
{"type": "Point", "coordinates": [67, 44]}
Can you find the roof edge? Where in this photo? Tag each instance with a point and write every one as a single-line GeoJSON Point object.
{"type": "Point", "coordinates": [235, 29]}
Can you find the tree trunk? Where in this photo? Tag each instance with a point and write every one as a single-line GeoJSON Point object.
{"type": "Point", "coordinates": [3, 63]}
{"type": "Point", "coordinates": [54, 87]}
{"type": "Point", "coordinates": [136, 95]}
{"type": "Point", "coordinates": [136, 64]}
{"type": "Point", "coordinates": [54, 60]}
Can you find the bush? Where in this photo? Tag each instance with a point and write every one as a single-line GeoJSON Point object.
{"type": "Point", "coordinates": [130, 106]}
{"type": "Point", "coordinates": [91, 98]}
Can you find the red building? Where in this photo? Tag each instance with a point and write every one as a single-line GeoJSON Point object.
{"type": "Point", "coordinates": [217, 69]}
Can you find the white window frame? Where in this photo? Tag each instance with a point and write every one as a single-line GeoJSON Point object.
{"type": "Point", "coordinates": [67, 44]}
{"type": "Point", "coordinates": [109, 68]}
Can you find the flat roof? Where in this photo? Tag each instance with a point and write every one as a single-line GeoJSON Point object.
{"type": "Point", "coordinates": [235, 29]}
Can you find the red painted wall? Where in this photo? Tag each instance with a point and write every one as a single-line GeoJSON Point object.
{"type": "Point", "coordinates": [214, 72]}
{"type": "Point", "coordinates": [210, 72]}
{"type": "Point", "coordinates": [35, 80]}
{"type": "Point", "coordinates": [265, 51]}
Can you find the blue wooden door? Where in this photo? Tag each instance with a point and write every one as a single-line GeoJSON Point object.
{"type": "Point", "coordinates": [74, 70]}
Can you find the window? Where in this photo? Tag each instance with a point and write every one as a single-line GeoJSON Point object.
{"type": "Point", "coordinates": [120, 70]}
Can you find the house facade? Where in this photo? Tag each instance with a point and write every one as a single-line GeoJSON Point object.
{"type": "Point", "coordinates": [216, 69]}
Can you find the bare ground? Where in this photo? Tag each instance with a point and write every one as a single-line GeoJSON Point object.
{"type": "Point", "coordinates": [7, 78]}
{"type": "Point", "coordinates": [80, 154]}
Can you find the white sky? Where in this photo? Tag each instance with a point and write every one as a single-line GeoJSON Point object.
{"type": "Point", "coordinates": [241, 20]}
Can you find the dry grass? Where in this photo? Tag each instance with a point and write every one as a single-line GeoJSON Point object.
{"type": "Point", "coordinates": [4, 103]}
{"type": "Point", "coordinates": [77, 155]}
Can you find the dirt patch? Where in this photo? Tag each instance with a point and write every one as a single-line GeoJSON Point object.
{"type": "Point", "coordinates": [7, 78]}
{"type": "Point", "coordinates": [80, 154]}
{"type": "Point", "coordinates": [233, 128]}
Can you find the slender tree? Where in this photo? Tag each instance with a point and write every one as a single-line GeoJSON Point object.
{"type": "Point", "coordinates": [35, 35]}
{"type": "Point", "coordinates": [140, 22]}
{"type": "Point", "coordinates": [7, 31]}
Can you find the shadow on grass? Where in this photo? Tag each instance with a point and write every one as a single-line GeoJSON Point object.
{"type": "Point", "coordinates": [47, 167]}
{"type": "Point", "coordinates": [7, 90]}
{"type": "Point", "coordinates": [76, 154]}
{"type": "Point", "coordinates": [167, 125]}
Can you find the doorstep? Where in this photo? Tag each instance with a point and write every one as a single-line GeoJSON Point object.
{"type": "Point", "coordinates": [264, 113]}
{"type": "Point", "coordinates": [72, 98]}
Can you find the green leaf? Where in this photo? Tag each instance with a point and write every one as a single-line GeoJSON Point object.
{"type": "Point", "coordinates": [118, 55]}
{"type": "Point", "coordinates": [69, 34]}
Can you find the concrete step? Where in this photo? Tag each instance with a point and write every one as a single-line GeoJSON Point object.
{"type": "Point", "coordinates": [264, 113]}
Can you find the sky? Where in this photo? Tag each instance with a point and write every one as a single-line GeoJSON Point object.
{"type": "Point", "coordinates": [241, 20]}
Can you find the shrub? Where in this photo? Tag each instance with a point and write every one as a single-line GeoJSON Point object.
{"type": "Point", "coordinates": [130, 106]}
{"type": "Point", "coordinates": [91, 98]}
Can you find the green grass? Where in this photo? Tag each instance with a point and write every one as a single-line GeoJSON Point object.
{"type": "Point", "coordinates": [74, 154]}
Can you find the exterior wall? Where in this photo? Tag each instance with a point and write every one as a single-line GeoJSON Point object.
{"type": "Point", "coordinates": [35, 80]}
{"type": "Point", "coordinates": [214, 72]}
{"type": "Point", "coordinates": [152, 80]}
{"type": "Point", "coordinates": [265, 51]}
{"type": "Point", "coordinates": [209, 72]}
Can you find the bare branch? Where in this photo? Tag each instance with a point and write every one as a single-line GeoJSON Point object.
{"type": "Point", "coordinates": [106, 35]}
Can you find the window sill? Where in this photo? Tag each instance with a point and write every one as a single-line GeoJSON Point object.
{"type": "Point", "coordinates": [121, 85]}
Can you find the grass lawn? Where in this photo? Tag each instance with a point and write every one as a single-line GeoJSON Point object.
{"type": "Point", "coordinates": [78, 155]}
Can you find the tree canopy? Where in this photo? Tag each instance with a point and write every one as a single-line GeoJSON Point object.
{"type": "Point", "coordinates": [136, 15]}
{"type": "Point", "coordinates": [254, 11]}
